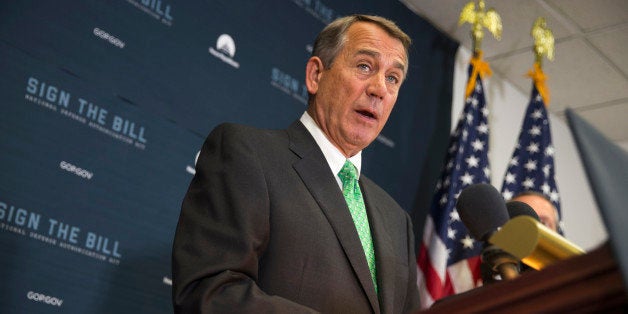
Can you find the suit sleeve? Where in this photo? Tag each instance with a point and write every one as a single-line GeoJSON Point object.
{"type": "Point", "coordinates": [223, 230]}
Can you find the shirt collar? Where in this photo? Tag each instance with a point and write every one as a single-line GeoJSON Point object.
{"type": "Point", "coordinates": [332, 154]}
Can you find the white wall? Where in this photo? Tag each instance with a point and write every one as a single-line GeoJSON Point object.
{"type": "Point", "coordinates": [582, 222]}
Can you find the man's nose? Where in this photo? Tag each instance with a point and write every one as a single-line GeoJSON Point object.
{"type": "Point", "coordinates": [377, 86]}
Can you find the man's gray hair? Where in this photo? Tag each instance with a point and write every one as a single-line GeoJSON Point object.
{"type": "Point", "coordinates": [332, 38]}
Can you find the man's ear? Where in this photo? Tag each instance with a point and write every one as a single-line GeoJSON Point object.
{"type": "Point", "coordinates": [313, 73]}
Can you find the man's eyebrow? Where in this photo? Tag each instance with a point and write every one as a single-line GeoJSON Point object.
{"type": "Point", "coordinates": [376, 54]}
{"type": "Point", "coordinates": [368, 52]}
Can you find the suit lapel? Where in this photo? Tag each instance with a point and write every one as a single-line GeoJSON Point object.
{"type": "Point", "coordinates": [313, 170]}
{"type": "Point", "coordinates": [384, 255]}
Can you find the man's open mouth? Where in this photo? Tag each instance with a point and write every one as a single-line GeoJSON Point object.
{"type": "Point", "coordinates": [367, 114]}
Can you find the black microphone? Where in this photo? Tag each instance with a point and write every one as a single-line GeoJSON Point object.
{"type": "Point", "coordinates": [483, 210]}
{"type": "Point", "coordinates": [516, 208]}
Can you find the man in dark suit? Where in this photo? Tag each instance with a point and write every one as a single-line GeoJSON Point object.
{"type": "Point", "coordinates": [274, 221]}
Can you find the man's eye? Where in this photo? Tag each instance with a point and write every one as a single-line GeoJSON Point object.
{"type": "Point", "coordinates": [392, 79]}
{"type": "Point", "coordinates": [364, 67]}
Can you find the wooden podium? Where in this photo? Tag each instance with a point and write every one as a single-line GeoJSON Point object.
{"type": "Point", "coordinates": [586, 283]}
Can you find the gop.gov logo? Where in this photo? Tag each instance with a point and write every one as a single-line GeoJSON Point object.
{"type": "Point", "coordinates": [225, 50]}
{"type": "Point", "coordinates": [38, 297]}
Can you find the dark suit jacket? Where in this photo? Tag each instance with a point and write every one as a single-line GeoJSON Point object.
{"type": "Point", "coordinates": [264, 228]}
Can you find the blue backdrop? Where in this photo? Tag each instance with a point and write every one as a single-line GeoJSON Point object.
{"type": "Point", "coordinates": [105, 104]}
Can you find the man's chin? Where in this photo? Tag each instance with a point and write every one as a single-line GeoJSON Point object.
{"type": "Point", "coordinates": [362, 140]}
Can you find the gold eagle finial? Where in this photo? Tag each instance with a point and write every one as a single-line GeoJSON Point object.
{"type": "Point", "coordinates": [543, 40]}
{"type": "Point", "coordinates": [478, 19]}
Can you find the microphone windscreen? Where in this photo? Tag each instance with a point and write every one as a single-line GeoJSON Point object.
{"type": "Point", "coordinates": [482, 209]}
{"type": "Point", "coordinates": [516, 208]}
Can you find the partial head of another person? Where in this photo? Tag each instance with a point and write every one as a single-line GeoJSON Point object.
{"type": "Point", "coordinates": [548, 215]}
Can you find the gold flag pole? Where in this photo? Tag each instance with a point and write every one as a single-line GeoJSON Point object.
{"type": "Point", "coordinates": [479, 19]}
{"type": "Point", "coordinates": [543, 46]}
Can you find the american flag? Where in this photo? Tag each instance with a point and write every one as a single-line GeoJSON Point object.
{"type": "Point", "coordinates": [531, 167]}
{"type": "Point", "coordinates": [449, 261]}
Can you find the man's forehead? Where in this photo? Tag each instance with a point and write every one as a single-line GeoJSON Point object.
{"type": "Point", "coordinates": [536, 199]}
{"type": "Point", "coordinates": [371, 39]}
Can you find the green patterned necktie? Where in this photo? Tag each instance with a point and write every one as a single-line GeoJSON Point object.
{"type": "Point", "coordinates": [351, 190]}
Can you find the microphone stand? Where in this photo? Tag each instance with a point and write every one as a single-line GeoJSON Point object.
{"type": "Point", "coordinates": [500, 261]}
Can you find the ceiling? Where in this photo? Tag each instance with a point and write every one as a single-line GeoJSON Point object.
{"type": "Point", "coordinates": [590, 69]}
